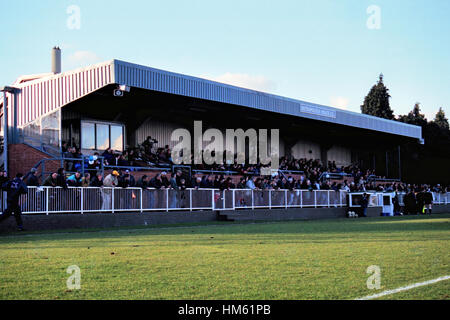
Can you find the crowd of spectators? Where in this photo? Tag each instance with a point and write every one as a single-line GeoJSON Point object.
{"type": "Point", "coordinates": [145, 155]}
{"type": "Point", "coordinates": [179, 181]}
{"type": "Point", "coordinates": [309, 173]}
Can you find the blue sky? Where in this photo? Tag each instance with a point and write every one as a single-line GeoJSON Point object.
{"type": "Point", "coordinates": [319, 51]}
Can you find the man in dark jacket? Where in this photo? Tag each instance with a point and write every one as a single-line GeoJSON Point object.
{"type": "Point", "coordinates": [428, 200]}
{"type": "Point", "coordinates": [3, 177]}
{"type": "Point", "coordinates": [97, 181]}
{"type": "Point", "coordinates": [410, 202]}
{"type": "Point", "coordinates": [420, 201]}
{"type": "Point", "coordinates": [14, 189]}
{"type": "Point", "coordinates": [127, 180]}
{"type": "Point", "coordinates": [143, 182]}
{"type": "Point", "coordinates": [364, 204]}
{"type": "Point", "coordinates": [61, 179]}
{"type": "Point", "coordinates": [51, 180]}
{"type": "Point", "coordinates": [156, 182]}
{"type": "Point", "coordinates": [30, 178]}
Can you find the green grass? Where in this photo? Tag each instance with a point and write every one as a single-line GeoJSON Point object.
{"type": "Point", "coordinates": [287, 260]}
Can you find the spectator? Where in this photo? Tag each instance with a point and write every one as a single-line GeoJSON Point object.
{"type": "Point", "coordinates": [156, 182]}
{"type": "Point", "coordinates": [3, 178]}
{"type": "Point", "coordinates": [173, 181]}
{"type": "Point", "coordinates": [108, 157]}
{"type": "Point", "coordinates": [250, 184]}
{"type": "Point", "coordinates": [86, 180]}
{"type": "Point", "coordinates": [111, 180]}
{"type": "Point", "coordinates": [420, 201]}
{"type": "Point", "coordinates": [69, 154]}
{"type": "Point", "coordinates": [148, 145]}
{"type": "Point", "coordinates": [51, 181]}
{"type": "Point", "coordinates": [396, 204]}
{"type": "Point", "coordinates": [143, 182]}
{"type": "Point", "coordinates": [364, 205]}
{"type": "Point", "coordinates": [97, 181]}
{"type": "Point", "coordinates": [241, 184]}
{"type": "Point", "coordinates": [182, 185]}
{"type": "Point", "coordinates": [196, 183]}
{"type": "Point", "coordinates": [74, 180]}
{"type": "Point", "coordinates": [30, 178]}
{"type": "Point", "coordinates": [179, 177]}
{"type": "Point", "coordinates": [61, 179]}
{"type": "Point", "coordinates": [428, 201]}
{"type": "Point", "coordinates": [410, 202]}
{"type": "Point", "coordinates": [14, 189]}
{"type": "Point", "coordinates": [165, 180]}
{"type": "Point", "coordinates": [127, 180]}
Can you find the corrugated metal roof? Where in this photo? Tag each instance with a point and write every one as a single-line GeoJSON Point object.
{"type": "Point", "coordinates": [45, 95]}
{"type": "Point", "coordinates": [143, 77]}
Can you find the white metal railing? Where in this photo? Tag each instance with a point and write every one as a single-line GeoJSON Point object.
{"type": "Point", "coordinates": [50, 200]}
{"type": "Point", "coordinates": [438, 198]}
{"type": "Point", "coordinates": [375, 198]}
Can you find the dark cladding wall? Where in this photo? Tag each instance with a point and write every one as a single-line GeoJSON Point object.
{"type": "Point", "coordinates": [102, 220]}
{"type": "Point", "coordinates": [293, 214]}
{"type": "Point", "coordinates": [106, 220]}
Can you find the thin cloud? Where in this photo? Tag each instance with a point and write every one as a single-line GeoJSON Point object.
{"type": "Point", "coordinates": [340, 102]}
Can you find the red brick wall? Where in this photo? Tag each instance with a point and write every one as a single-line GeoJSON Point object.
{"type": "Point", "coordinates": [21, 158]}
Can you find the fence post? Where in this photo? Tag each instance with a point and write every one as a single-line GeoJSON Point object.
{"type": "Point", "coordinates": [140, 202]}
{"type": "Point", "coordinates": [253, 201]}
{"type": "Point", "coordinates": [328, 195]}
{"type": "Point", "coordinates": [112, 199]}
{"type": "Point", "coordinates": [233, 199]}
{"type": "Point", "coordinates": [190, 199]}
{"type": "Point", "coordinates": [270, 199]}
{"type": "Point", "coordinates": [301, 199]}
{"type": "Point", "coordinates": [315, 198]}
{"type": "Point", "coordinates": [167, 200]}
{"type": "Point", "coordinates": [46, 201]}
{"type": "Point", "coordinates": [223, 197]}
{"type": "Point", "coordinates": [285, 199]}
{"type": "Point", "coordinates": [212, 199]}
{"type": "Point", "coordinates": [82, 201]}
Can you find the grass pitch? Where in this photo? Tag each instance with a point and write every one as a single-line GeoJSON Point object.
{"type": "Point", "coordinates": [288, 260]}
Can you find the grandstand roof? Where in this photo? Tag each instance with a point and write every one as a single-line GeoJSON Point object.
{"type": "Point", "coordinates": [44, 95]}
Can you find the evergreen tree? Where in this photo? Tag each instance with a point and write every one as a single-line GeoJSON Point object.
{"type": "Point", "coordinates": [440, 120]}
{"type": "Point", "coordinates": [376, 103]}
{"type": "Point", "coordinates": [414, 116]}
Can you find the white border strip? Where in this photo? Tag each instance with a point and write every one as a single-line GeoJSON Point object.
{"type": "Point", "coordinates": [412, 286]}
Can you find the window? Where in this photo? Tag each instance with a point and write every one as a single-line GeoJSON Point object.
{"type": "Point", "coordinates": [87, 135]}
{"type": "Point", "coordinates": [116, 137]}
{"type": "Point", "coordinates": [101, 136]}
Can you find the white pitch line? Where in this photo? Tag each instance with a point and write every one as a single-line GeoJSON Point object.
{"type": "Point", "coordinates": [412, 286]}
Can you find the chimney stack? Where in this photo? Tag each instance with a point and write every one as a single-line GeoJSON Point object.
{"type": "Point", "coordinates": [56, 60]}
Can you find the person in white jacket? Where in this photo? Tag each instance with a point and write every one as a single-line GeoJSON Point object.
{"type": "Point", "coordinates": [110, 181]}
